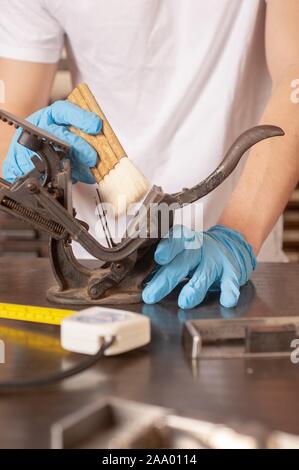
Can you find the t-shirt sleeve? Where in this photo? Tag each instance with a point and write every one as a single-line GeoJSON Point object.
{"type": "Point", "coordinates": [29, 32]}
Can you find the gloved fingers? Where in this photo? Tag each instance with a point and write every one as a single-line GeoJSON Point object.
{"type": "Point", "coordinates": [17, 163]}
{"type": "Point", "coordinates": [230, 290]}
{"type": "Point", "coordinates": [194, 292]}
{"type": "Point", "coordinates": [83, 174]}
{"type": "Point", "coordinates": [81, 151]}
{"type": "Point", "coordinates": [166, 279]}
{"type": "Point", "coordinates": [11, 171]}
{"type": "Point", "coordinates": [180, 238]}
{"type": "Point", "coordinates": [23, 159]}
{"type": "Point", "coordinates": [68, 114]}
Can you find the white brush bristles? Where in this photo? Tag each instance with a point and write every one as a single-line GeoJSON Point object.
{"type": "Point", "coordinates": [124, 185]}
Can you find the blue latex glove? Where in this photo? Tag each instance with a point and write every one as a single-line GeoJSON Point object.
{"type": "Point", "coordinates": [56, 119]}
{"type": "Point", "coordinates": [219, 259]}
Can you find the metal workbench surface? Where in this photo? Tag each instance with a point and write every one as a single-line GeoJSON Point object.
{"type": "Point", "coordinates": [223, 390]}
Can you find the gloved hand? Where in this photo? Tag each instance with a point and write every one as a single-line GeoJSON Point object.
{"type": "Point", "coordinates": [219, 259]}
{"type": "Point", "coordinates": [56, 119]}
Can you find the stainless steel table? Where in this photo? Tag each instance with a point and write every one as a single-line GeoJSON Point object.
{"type": "Point", "coordinates": [223, 390]}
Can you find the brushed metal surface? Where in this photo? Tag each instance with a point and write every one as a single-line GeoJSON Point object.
{"type": "Point", "coordinates": [228, 391]}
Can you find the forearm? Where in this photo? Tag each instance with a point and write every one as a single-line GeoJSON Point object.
{"type": "Point", "coordinates": [27, 88]}
{"type": "Point", "coordinates": [271, 171]}
{"type": "Point", "coordinates": [6, 134]}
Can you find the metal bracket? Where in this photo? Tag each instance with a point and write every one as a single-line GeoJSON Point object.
{"type": "Point", "coordinates": [240, 337]}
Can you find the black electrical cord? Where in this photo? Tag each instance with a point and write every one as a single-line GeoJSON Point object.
{"type": "Point", "coordinates": [18, 385]}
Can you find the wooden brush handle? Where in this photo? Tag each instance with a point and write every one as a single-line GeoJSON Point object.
{"type": "Point", "coordinates": [107, 129]}
{"type": "Point", "coordinates": [106, 143]}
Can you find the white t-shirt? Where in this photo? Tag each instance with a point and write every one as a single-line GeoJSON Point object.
{"type": "Point", "coordinates": [179, 80]}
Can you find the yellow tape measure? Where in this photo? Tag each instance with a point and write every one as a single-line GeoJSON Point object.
{"type": "Point", "coordinates": [31, 339]}
{"type": "Point", "coordinates": [49, 316]}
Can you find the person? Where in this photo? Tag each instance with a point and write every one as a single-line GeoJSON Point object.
{"type": "Point", "coordinates": [179, 81]}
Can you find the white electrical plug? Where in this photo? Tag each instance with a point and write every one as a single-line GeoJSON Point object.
{"type": "Point", "coordinates": [85, 331]}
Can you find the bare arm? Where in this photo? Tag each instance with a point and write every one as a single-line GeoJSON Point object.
{"type": "Point", "coordinates": [272, 169]}
{"type": "Point", "coordinates": [27, 88]}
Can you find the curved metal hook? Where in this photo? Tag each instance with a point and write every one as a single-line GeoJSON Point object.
{"type": "Point", "coordinates": [244, 142]}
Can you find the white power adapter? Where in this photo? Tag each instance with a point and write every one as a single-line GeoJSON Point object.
{"type": "Point", "coordinates": [84, 332]}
